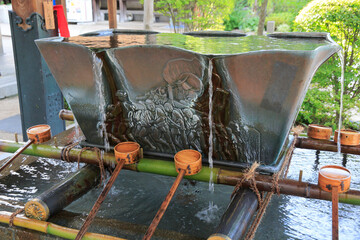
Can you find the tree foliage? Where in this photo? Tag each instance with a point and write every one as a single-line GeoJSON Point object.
{"type": "Point", "coordinates": [242, 18]}
{"type": "Point", "coordinates": [195, 14]}
{"type": "Point", "coordinates": [341, 19]}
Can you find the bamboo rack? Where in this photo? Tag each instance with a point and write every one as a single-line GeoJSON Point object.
{"type": "Point", "coordinates": [161, 167]}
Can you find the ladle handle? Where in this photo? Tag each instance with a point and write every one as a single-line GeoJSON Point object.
{"type": "Point", "coordinates": [16, 154]}
{"type": "Point", "coordinates": [164, 205]}
{"type": "Point", "coordinates": [99, 201]}
{"type": "Point", "coordinates": [335, 212]}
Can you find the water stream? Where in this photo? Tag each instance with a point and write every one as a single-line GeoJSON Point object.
{"type": "Point", "coordinates": [342, 64]}
{"type": "Point", "coordinates": [208, 214]}
{"type": "Point", "coordinates": [211, 141]}
{"type": "Point", "coordinates": [97, 70]}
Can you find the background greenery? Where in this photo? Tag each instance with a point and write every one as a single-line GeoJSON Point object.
{"type": "Point", "coordinates": [340, 18]}
{"type": "Point", "coordinates": [195, 15]}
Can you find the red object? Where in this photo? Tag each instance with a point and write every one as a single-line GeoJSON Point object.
{"type": "Point", "coordinates": [62, 23]}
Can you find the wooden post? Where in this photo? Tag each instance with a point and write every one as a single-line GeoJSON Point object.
{"type": "Point", "coordinates": [63, 3]}
{"type": "Point", "coordinates": [25, 8]}
{"type": "Point", "coordinates": [112, 13]}
{"type": "Point", "coordinates": [148, 14]}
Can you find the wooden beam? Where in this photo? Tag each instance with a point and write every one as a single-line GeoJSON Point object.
{"type": "Point", "coordinates": [24, 8]}
{"type": "Point", "coordinates": [112, 13]}
{"type": "Point", "coordinates": [325, 145]}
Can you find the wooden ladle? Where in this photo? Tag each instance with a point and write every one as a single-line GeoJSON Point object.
{"type": "Point", "coordinates": [187, 162]}
{"type": "Point", "coordinates": [36, 134]}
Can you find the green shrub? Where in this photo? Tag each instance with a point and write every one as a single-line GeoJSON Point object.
{"type": "Point", "coordinates": [283, 28]}
{"type": "Point", "coordinates": [341, 19]}
{"type": "Point", "coordinates": [195, 15]}
{"type": "Point", "coordinates": [242, 20]}
{"type": "Point", "coordinates": [234, 19]}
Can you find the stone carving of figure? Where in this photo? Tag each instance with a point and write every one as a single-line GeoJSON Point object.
{"type": "Point", "coordinates": [193, 127]}
{"type": "Point", "coordinates": [160, 128]}
{"type": "Point", "coordinates": [176, 123]}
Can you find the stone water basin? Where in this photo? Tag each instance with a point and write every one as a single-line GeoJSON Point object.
{"type": "Point", "coordinates": [170, 92]}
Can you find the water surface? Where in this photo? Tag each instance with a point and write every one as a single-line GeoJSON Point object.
{"type": "Point", "coordinates": [215, 45]}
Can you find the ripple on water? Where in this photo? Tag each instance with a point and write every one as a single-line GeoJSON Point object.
{"type": "Point", "coordinates": [30, 180]}
{"type": "Point", "coordinates": [301, 218]}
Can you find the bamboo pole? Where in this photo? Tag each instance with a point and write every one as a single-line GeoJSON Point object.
{"type": "Point", "coordinates": [51, 228]}
{"type": "Point", "coordinates": [221, 176]}
{"type": "Point", "coordinates": [66, 115]}
{"type": "Point", "coordinates": [63, 193]}
{"type": "Point", "coordinates": [325, 145]}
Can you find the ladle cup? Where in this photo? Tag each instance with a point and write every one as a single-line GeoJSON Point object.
{"type": "Point", "coordinates": [36, 134]}
{"type": "Point", "coordinates": [187, 162]}
{"type": "Point", "coordinates": [319, 132]}
{"type": "Point", "coordinates": [334, 179]}
{"type": "Point", "coordinates": [348, 137]}
{"type": "Point", "coordinates": [125, 153]}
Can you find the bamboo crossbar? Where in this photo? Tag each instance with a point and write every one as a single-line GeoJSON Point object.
{"type": "Point", "coordinates": [162, 167]}
{"type": "Point", "coordinates": [51, 228]}
{"type": "Point", "coordinates": [325, 145]}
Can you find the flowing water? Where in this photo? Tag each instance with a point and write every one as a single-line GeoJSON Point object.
{"type": "Point", "coordinates": [136, 197]}
{"type": "Point", "coordinates": [97, 70]}
{"type": "Point", "coordinates": [208, 214]}
{"type": "Point", "coordinates": [211, 140]}
{"type": "Point", "coordinates": [342, 64]}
